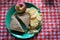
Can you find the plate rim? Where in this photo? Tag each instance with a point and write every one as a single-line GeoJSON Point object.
{"type": "Point", "coordinates": [8, 29]}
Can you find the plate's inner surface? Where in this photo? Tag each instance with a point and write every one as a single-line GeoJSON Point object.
{"type": "Point", "coordinates": [8, 20]}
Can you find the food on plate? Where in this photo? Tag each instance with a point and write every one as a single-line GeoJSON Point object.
{"type": "Point", "coordinates": [20, 7]}
{"type": "Point", "coordinates": [39, 17]}
{"type": "Point", "coordinates": [35, 17]}
{"type": "Point", "coordinates": [27, 10]}
{"type": "Point", "coordinates": [34, 23]}
{"type": "Point", "coordinates": [33, 31]}
{"type": "Point", "coordinates": [15, 25]}
{"type": "Point", "coordinates": [31, 11]}
{"type": "Point", "coordinates": [25, 18]}
{"type": "Point", "coordinates": [29, 16]}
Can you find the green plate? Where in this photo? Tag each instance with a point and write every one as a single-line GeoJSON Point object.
{"type": "Point", "coordinates": [8, 20]}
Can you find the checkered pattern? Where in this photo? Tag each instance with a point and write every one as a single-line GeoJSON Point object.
{"type": "Point", "coordinates": [51, 20]}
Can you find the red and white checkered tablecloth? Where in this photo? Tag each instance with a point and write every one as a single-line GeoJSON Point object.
{"type": "Point", "coordinates": [51, 20]}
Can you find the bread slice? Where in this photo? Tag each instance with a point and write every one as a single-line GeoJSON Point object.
{"type": "Point", "coordinates": [25, 18]}
{"type": "Point", "coordinates": [15, 25]}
